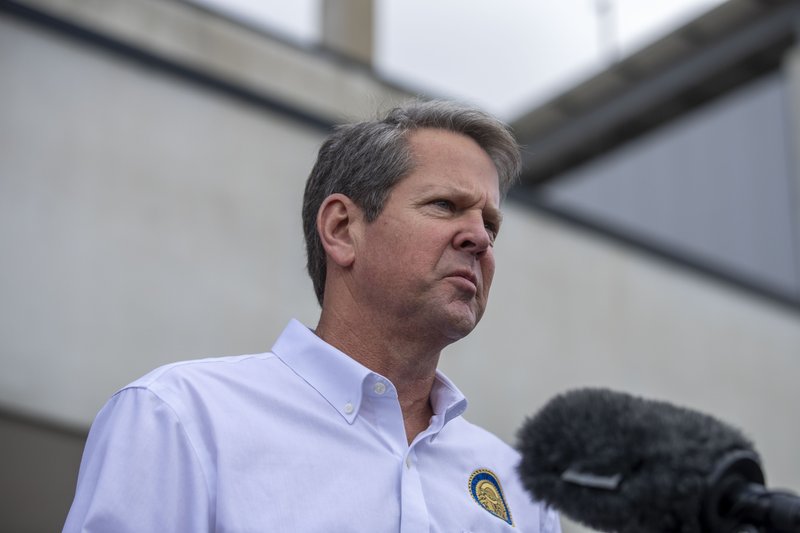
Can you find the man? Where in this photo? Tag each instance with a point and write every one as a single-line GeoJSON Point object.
{"type": "Point", "coordinates": [349, 427]}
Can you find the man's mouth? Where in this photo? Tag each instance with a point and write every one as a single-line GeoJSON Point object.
{"type": "Point", "coordinates": [469, 277]}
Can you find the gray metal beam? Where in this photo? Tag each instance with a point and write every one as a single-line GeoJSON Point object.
{"type": "Point", "coordinates": [604, 126]}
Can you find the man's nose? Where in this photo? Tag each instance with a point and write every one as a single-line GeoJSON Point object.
{"type": "Point", "coordinates": [472, 234]}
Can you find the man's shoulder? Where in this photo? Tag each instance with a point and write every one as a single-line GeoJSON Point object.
{"type": "Point", "coordinates": [209, 373]}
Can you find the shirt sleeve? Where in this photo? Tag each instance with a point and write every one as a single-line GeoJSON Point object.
{"type": "Point", "coordinates": [139, 472]}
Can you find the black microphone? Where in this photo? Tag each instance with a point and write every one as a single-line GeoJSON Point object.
{"type": "Point", "coordinates": [616, 462]}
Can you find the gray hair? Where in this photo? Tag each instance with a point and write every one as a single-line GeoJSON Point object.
{"type": "Point", "coordinates": [365, 160]}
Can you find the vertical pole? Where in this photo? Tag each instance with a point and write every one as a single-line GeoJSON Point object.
{"type": "Point", "coordinates": [348, 27]}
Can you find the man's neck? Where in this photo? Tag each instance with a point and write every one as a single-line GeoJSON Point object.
{"type": "Point", "coordinates": [408, 362]}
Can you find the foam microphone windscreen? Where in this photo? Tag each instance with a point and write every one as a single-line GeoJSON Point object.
{"type": "Point", "coordinates": [620, 463]}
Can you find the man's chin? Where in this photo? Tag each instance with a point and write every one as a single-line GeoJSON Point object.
{"type": "Point", "coordinates": [461, 322]}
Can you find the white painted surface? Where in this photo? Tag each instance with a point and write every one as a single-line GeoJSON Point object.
{"type": "Point", "coordinates": [142, 220]}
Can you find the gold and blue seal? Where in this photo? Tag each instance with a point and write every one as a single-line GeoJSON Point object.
{"type": "Point", "coordinates": [485, 489]}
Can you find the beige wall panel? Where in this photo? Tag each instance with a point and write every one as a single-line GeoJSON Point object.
{"type": "Point", "coordinates": [142, 220]}
{"type": "Point", "coordinates": [188, 35]}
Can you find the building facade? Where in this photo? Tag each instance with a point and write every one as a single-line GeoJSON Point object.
{"type": "Point", "coordinates": [152, 161]}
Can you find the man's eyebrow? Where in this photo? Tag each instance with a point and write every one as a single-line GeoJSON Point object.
{"type": "Point", "coordinates": [490, 211]}
{"type": "Point", "coordinates": [494, 214]}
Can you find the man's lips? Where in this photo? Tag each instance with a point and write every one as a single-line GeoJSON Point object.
{"type": "Point", "coordinates": [466, 275]}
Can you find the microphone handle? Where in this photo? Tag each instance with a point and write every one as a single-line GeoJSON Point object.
{"type": "Point", "coordinates": [776, 511]}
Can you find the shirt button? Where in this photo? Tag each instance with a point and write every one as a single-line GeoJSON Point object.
{"type": "Point", "coordinates": [408, 462]}
{"type": "Point", "coordinates": [348, 408]}
{"type": "Point", "coordinates": [379, 388]}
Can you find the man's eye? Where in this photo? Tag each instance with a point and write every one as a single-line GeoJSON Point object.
{"type": "Point", "coordinates": [491, 229]}
{"type": "Point", "coordinates": [444, 204]}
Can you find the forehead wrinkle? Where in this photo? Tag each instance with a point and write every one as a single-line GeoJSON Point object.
{"type": "Point", "coordinates": [457, 189]}
{"type": "Point", "coordinates": [461, 192]}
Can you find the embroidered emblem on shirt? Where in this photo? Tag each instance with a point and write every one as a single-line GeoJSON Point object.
{"type": "Point", "coordinates": [485, 489]}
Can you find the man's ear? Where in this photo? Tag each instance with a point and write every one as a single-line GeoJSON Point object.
{"type": "Point", "coordinates": [337, 221]}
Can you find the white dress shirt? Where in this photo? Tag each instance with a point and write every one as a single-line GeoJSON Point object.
{"type": "Point", "coordinates": [301, 439]}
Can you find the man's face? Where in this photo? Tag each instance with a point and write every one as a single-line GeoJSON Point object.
{"type": "Point", "coordinates": [427, 261]}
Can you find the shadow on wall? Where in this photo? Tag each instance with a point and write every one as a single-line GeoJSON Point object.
{"type": "Point", "coordinates": [39, 468]}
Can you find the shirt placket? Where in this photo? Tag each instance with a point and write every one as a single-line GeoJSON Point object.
{"type": "Point", "coordinates": [414, 512]}
{"type": "Point", "coordinates": [414, 516]}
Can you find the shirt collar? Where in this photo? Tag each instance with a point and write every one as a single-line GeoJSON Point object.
{"type": "Point", "coordinates": [446, 399]}
{"type": "Point", "coordinates": [341, 380]}
{"type": "Point", "coordinates": [335, 375]}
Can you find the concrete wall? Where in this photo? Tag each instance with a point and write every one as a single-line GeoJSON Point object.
{"type": "Point", "coordinates": [145, 219]}
{"type": "Point", "coordinates": [39, 468]}
{"type": "Point", "coordinates": [141, 220]}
